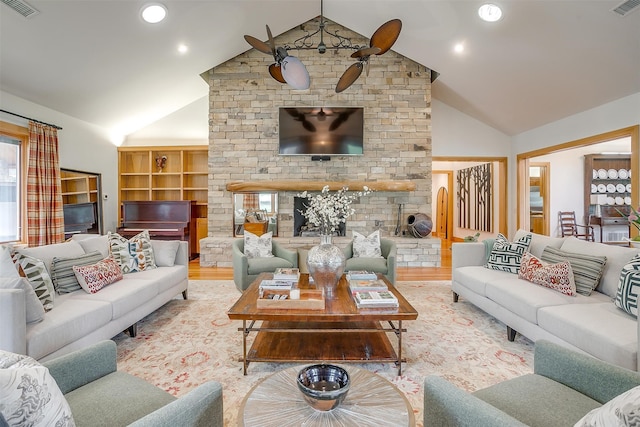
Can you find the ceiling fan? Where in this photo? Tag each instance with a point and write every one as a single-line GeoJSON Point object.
{"type": "Point", "coordinates": [381, 41]}
{"type": "Point", "coordinates": [286, 68]}
{"type": "Point", "coordinates": [290, 70]}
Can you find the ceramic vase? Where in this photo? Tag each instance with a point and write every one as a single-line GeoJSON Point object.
{"type": "Point", "coordinates": [326, 264]}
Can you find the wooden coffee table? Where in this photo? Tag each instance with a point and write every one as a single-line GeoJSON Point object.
{"type": "Point", "coordinates": [340, 333]}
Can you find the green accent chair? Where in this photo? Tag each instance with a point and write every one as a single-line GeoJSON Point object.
{"type": "Point", "coordinates": [246, 270]}
{"type": "Point", "coordinates": [100, 395]}
{"type": "Point", "coordinates": [385, 265]}
{"type": "Point", "coordinates": [564, 387]}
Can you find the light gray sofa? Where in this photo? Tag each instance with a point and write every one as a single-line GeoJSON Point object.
{"type": "Point", "coordinates": [100, 395]}
{"type": "Point", "coordinates": [590, 324]}
{"type": "Point", "coordinates": [564, 387]}
{"type": "Point", "coordinates": [79, 319]}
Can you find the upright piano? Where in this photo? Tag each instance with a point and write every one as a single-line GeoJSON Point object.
{"type": "Point", "coordinates": [80, 218]}
{"type": "Point", "coordinates": [165, 220]}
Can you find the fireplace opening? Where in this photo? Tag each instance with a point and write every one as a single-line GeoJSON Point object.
{"type": "Point", "coordinates": [300, 225]}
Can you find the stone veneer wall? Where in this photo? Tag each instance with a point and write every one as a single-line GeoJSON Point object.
{"type": "Point", "coordinates": [243, 140]}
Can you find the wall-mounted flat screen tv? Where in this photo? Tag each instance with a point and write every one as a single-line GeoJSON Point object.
{"type": "Point", "coordinates": [324, 131]}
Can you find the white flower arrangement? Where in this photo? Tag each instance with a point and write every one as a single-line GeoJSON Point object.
{"type": "Point", "coordinates": [327, 210]}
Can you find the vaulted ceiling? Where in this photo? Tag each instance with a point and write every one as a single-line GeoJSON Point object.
{"type": "Point", "coordinates": [97, 61]}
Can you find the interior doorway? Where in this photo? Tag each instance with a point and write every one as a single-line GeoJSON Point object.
{"type": "Point", "coordinates": [539, 197]}
{"type": "Point", "coordinates": [525, 160]}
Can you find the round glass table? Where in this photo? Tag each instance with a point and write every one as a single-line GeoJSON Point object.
{"type": "Point", "coordinates": [371, 401]}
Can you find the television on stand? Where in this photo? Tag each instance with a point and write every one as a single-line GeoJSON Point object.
{"type": "Point", "coordinates": [321, 132]}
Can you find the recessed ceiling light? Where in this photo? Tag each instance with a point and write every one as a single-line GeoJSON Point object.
{"type": "Point", "coordinates": [154, 12]}
{"type": "Point", "coordinates": [458, 48]}
{"type": "Point", "coordinates": [183, 48]}
{"type": "Point", "coordinates": [490, 12]}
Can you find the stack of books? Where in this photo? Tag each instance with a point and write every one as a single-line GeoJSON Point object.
{"type": "Point", "coordinates": [375, 299]}
{"type": "Point", "coordinates": [289, 274]}
{"type": "Point", "coordinates": [361, 275]}
{"type": "Point", "coordinates": [356, 285]}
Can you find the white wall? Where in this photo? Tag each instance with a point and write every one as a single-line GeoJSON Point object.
{"type": "Point", "coordinates": [454, 133]}
{"type": "Point", "coordinates": [83, 147]}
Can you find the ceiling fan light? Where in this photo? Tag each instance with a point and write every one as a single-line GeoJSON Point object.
{"type": "Point", "coordinates": [295, 73]}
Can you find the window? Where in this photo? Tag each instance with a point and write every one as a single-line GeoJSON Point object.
{"type": "Point", "coordinates": [12, 142]}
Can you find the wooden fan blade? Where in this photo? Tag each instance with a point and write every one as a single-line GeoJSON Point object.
{"type": "Point", "coordinates": [276, 72]}
{"type": "Point", "coordinates": [386, 35]}
{"type": "Point", "coordinates": [272, 43]}
{"type": "Point", "coordinates": [350, 75]}
{"type": "Point", "coordinates": [362, 53]}
{"type": "Point", "coordinates": [367, 66]}
{"type": "Point", "coordinates": [258, 44]}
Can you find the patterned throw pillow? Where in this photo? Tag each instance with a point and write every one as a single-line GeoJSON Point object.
{"type": "Point", "coordinates": [38, 276]}
{"type": "Point", "coordinates": [257, 246]}
{"type": "Point", "coordinates": [64, 279]}
{"type": "Point", "coordinates": [506, 255]}
{"type": "Point", "coordinates": [558, 277]}
{"type": "Point", "coordinates": [587, 269]}
{"type": "Point", "coordinates": [622, 410]}
{"type": "Point", "coordinates": [135, 254]}
{"type": "Point", "coordinates": [94, 277]}
{"type": "Point", "coordinates": [629, 287]}
{"type": "Point", "coordinates": [367, 247]}
{"type": "Point", "coordinates": [29, 395]}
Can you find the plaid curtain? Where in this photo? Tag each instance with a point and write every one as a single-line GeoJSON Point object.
{"type": "Point", "coordinates": [251, 202]}
{"type": "Point", "coordinates": [45, 217]}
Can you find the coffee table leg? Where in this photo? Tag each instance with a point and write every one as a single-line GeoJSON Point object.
{"type": "Point", "coordinates": [244, 346]}
{"type": "Point", "coordinates": [399, 347]}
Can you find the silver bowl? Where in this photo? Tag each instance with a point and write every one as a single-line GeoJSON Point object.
{"type": "Point", "coordinates": [324, 387]}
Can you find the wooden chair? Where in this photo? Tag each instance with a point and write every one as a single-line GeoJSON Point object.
{"type": "Point", "coordinates": [568, 227]}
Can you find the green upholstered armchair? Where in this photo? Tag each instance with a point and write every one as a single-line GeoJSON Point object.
{"type": "Point", "coordinates": [246, 270]}
{"type": "Point", "coordinates": [98, 394]}
{"type": "Point", "coordinates": [564, 387]}
{"type": "Point", "coordinates": [385, 265]}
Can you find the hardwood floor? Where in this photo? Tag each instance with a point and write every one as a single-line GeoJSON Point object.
{"type": "Point", "coordinates": [403, 273]}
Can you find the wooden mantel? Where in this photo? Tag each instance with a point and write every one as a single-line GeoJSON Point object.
{"type": "Point", "coordinates": [256, 186]}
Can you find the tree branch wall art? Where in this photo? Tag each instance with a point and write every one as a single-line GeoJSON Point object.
{"type": "Point", "coordinates": [475, 198]}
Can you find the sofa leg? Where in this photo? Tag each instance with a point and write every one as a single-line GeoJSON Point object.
{"type": "Point", "coordinates": [185, 294]}
{"type": "Point", "coordinates": [511, 333]}
{"type": "Point", "coordinates": [455, 296]}
{"type": "Point", "coordinates": [133, 330]}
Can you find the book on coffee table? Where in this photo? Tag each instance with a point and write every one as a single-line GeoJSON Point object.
{"type": "Point", "coordinates": [356, 285]}
{"type": "Point", "coordinates": [361, 275]}
{"type": "Point", "coordinates": [292, 274]}
{"type": "Point", "coordinates": [277, 284]}
{"type": "Point", "coordinates": [375, 299]}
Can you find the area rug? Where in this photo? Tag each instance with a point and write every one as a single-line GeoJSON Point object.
{"type": "Point", "coordinates": [186, 343]}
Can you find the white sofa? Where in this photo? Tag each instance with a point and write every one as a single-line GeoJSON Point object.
{"type": "Point", "coordinates": [79, 318]}
{"type": "Point", "coordinates": [589, 324]}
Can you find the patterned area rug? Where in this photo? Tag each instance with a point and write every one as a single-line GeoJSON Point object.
{"type": "Point", "coordinates": [186, 343]}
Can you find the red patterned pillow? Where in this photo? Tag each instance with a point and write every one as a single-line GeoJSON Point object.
{"type": "Point", "coordinates": [558, 277]}
{"type": "Point", "coordinates": [94, 277]}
